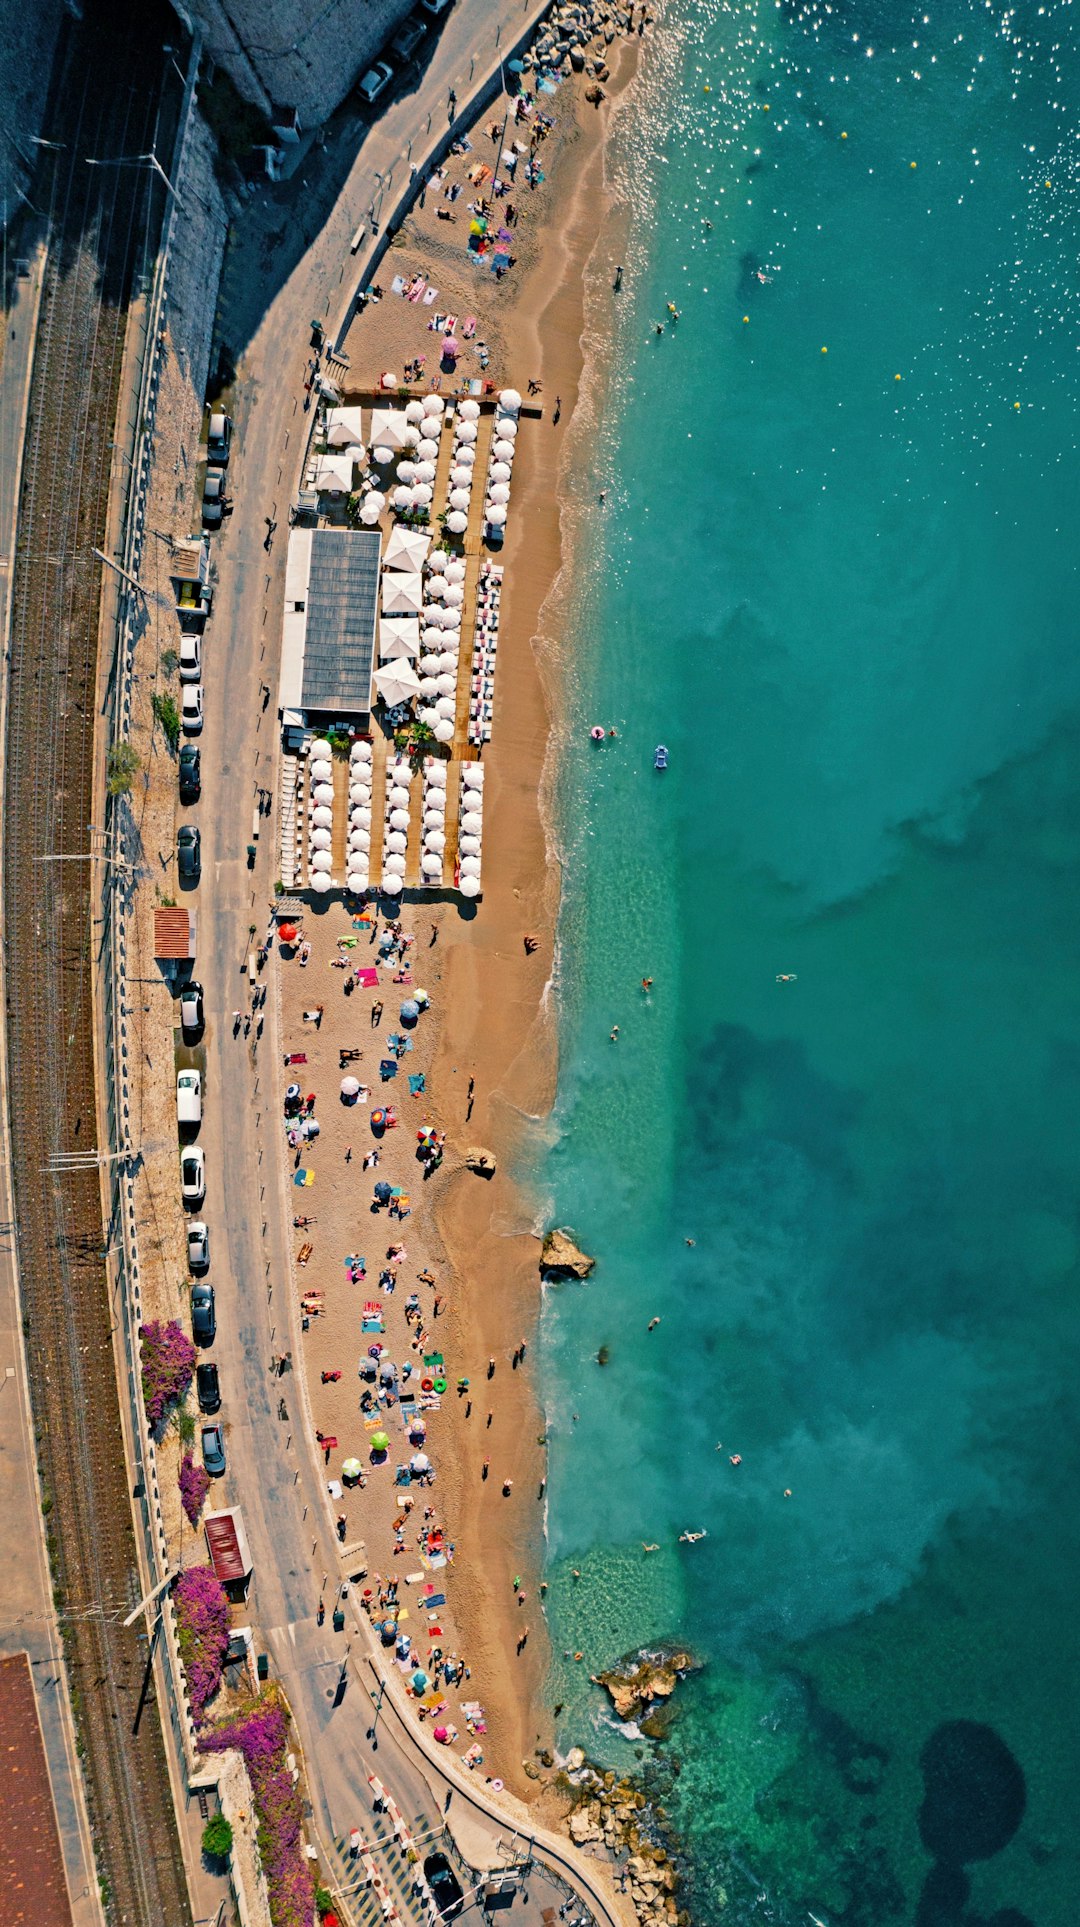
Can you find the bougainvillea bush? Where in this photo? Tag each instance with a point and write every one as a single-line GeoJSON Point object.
{"type": "Point", "coordinates": [202, 1624]}
{"type": "Point", "coordinates": [194, 1486]}
{"type": "Point", "coordinates": [168, 1362]}
{"type": "Point", "coordinates": [261, 1734]}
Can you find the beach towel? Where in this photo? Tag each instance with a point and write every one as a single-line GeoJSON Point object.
{"type": "Point", "coordinates": [432, 1601]}
{"type": "Point", "coordinates": [297, 1057]}
{"type": "Point", "coordinates": [417, 292]}
{"type": "Point", "coordinates": [468, 328]}
{"type": "Point", "coordinates": [397, 285]}
{"type": "Point", "coordinates": [435, 324]}
{"type": "Point", "coordinates": [430, 295]}
{"type": "Point", "coordinates": [449, 324]}
{"type": "Point", "coordinates": [417, 1083]}
{"type": "Point", "coordinates": [303, 1177]}
{"type": "Point", "coordinates": [367, 977]}
{"type": "Point", "coordinates": [388, 1069]}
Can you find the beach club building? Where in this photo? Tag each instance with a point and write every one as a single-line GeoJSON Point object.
{"type": "Point", "coordinates": [329, 627]}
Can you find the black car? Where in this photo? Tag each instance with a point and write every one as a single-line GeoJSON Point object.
{"type": "Point", "coordinates": [189, 852]}
{"type": "Point", "coordinates": [445, 1886]}
{"type": "Point", "coordinates": [190, 778]}
{"type": "Point", "coordinates": [203, 1316]}
{"type": "Point", "coordinates": [207, 1387]}
{"type": "Point", "coordinates": [213, 1450]}
{"type": "Point", "coordinates": [191, 1006]}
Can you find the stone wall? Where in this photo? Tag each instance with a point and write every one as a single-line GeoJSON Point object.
{"type": "Point", "coordinates": [296, 53]}
{"type": "Point", "coordinates": [28, 41]}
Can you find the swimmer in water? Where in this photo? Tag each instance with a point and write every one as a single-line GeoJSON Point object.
{"type": "Point", "coordinates": [691, 1538]}
{"type": "Point", "coordinates": [646, 1548]}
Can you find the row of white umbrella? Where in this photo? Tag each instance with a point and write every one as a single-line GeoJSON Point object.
{"type": "Point", "coordinates": [320, 813]}
{"type": "Point", "coordinates": [501, 459]}
{"type": "Point", "coordinates": [459, 496]}
{"type": "Point", "coordinates": [434, 822]}
{"type": "Point", "coordinates": [399, 778]}
{"type": "Point", "coordinates": [358, 851]}
{"type": "Point", "coordinates": [470, 828]}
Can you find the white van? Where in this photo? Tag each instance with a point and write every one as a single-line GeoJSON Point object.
{"type": "Point", "coordinates": [189, 1097]}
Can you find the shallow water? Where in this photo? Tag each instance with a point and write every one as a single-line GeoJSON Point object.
{"type": "Point", "coordinates": [848, 604]}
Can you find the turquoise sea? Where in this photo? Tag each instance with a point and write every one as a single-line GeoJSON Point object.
{"type": "Point", "coordinates": [850, 605]}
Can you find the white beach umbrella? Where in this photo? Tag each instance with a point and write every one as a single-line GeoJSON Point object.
{"type": "Point", "coordinates": [473, 777]}
{"type": "Point", "coordinates": [502, 453]}
{"type": "Point", "coordinates": [472, 796]}
{"type": "Point", "coordinates": [425, 471]}
{"type": "Point", "coordinates": [322, 818]}
{"type": "Point", "coordinates": [448, 659]}
{"type": "Point", "coordinates": [401, 498]}
{"type": "Point", "coordinates": [469, 886]}
{"type": "Point", "coordinates": [399, 819]}
{"type": "Point", "coordinates": [322, 860]}
{"type": "Point", "coordinates": [436, 587]}
{"type": "Point", "coordinates": [394, 864]}
{"type": "Point", "coordinates": [469, 411]}
{"type": "Point", "coordinates": [377, 501]}
{"type": "Point", "coordinates": [437, 561]}
{"type": "Point", "coordinates": [445, 707]}
{"type": "Point", "coordinates": [323, 793]}
{"type": "Point", "coordinates": [432, 636]}
{"type": "Point", "coordinates": [469, 845]}
{"type": "Point", "coordinates": [437, 776]}
{"type": "Point", "coordinates": [432, 406]}
{"type": "Point", "coordinates": [446, 685]}
{"type": "Point", "coordinates": [359, 792]}
{"type": "Point", "coordinates": [435, 840]}
{"type": "Point", "coordinates": [461, 476]}
{"type": "Point", "coordinates": [397, 842]}
{"type": "Point", "coordinates": [433, 822]}
{"type": "Point", "coordinates": [499, 493]}
{"type": "Point", "coordinates": [398, 797]}
{"type": "Point", "coordinates": [429, 686]}
{"type": "Point", "coordinates": [510, 400]}
{"type": "Point", "coordinates": [429, 662]}
{"type": "Point", "coordinates": [455, 595]}
{"type": "Point", "coordinates": [321, 884]}
{"type": "Point", "coordinates": [414, 410]}
{"type": "Point", "coordinates": [397, 682]}
{"type": "Point", "coordinates": [457, 522]}
{"type": "Point", "coordinates": [466, 432]}
{"type": "Point", "coordinates": [406, 471]}
{"type": "Point", "coordinates": [455, 571]}
{"type": "Point", "coordinates": [506, 428]}
{"type": "Point", "coordinates": [460, 498]}
{"type": "Point", "coordinates": [369, 514]}
{"type": "Point", "coordinates": [382, 455]}
{"type": "Point", "coordinates": [393, 885]}
{"type": "Point", "coordinates": [499, 472]}
{"type": "Point", "coordinates": [322, 769]}
{"type": "Point", "coordinates": [359, 839]}
{"type": "Point", "coordinates": [431, 865]}
{"type": "Point", "coordinates": [360, 819]}
{"type": "Point", "coordinates": [427, 450]}
{"type": "Point", "coordinates": [360, 752]}
{"type": "Point", "coordinates": [410, 435]}
{"type": "Point", "coordinates": [472, 823]}
{"type": "Point", "coordinates": [320, 748]}
{"type": "Point", "coordinates": [496, 514]}
{"type": "Point", "coordinates": [470, 866]}
{"type": "Point", "coordinates": [321, 839]}
{"type": "Point", "coordinates": [422, 493]}
{"type": "Point", "coordinates": [464, 456]}
{"type": "Point", "coordinates": [450, 617]}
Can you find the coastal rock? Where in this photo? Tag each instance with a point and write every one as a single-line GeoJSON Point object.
{"type": "Point", "coordinates": [655, 1677]}
{"type": "Point", "coordinates": [560, 1257]}
{"type": "Point", "coordinates": [480, 1161]}
{"type": "Point", "coordinates": [577, 60]}
{"type": "Point", "coordinates": [583, 1827]}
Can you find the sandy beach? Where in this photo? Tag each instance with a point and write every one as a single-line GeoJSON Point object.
{"type": "Point", "coordinates": [488, 1019]}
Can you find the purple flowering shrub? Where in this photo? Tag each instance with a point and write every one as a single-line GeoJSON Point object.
{"type": "Point", "coordinates": [202, 1621]}
{"type": "Point", "coordinates": [194, 1486]}
{"type": "Point", "coordinates": [168, 1362]}
{"type": "Point", "coordinates": [261, 1734]}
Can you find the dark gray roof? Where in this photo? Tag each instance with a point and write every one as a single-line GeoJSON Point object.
{"type": "Point", "coordinates": [342, 606]}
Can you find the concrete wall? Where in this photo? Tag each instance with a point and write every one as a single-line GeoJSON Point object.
{"type": "Point", "coordinates": [299, 53]}
{"type": "Point", "coordinates": [28, 37]}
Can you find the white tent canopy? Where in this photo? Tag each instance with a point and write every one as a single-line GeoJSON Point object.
{"type": "Point", "coordinates": [333, 474]}
{"type": "Point", "coordinates": [402, 594]}
{"type": "Point", "coordinates": [389, 428]}
{"type": "Point", "coordinates": [397, 682]}
{"type": "Point", "coordinates": [343, 427]}
{"type": "Point", "coordinates": [399, 638]}
{"type": "Point", "coordinates": [405, 549]}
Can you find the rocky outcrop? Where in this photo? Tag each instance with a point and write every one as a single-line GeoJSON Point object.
{"type": "Point", "coordinates": [614, 1820]}
{"type": "Point", "coordinates": [480, 1161]}
{"type": "Point", "coordinates": [560, 1257]}
{"type": "Point", "coordinates": [654, 1677]}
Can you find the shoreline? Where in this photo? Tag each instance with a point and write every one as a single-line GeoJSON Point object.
{"type": "Point", "coordinates": [499, 1019]}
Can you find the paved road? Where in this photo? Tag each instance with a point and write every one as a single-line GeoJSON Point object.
{"type": "Point", "coordinates": [271, 1470]}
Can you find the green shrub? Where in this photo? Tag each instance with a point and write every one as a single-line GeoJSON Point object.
{"type": "Point", "coordinates": [167, 714]}
{"type": "Point", "coordinates": [121, 764]}
{"type": "Point", "coordinates": [217, 1837]}
{"type": "Point", "coordinates": [169, 660]}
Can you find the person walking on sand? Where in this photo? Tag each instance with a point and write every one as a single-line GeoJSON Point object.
{"type": "Point", "coordinates": [507, 1488]}
{"type": "Point", "coordinates": [376, 1014]}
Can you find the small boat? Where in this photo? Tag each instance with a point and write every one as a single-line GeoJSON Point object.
{"type": "Point", "coordinates": [660, 756]}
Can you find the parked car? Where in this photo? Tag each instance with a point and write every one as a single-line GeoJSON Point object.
{"type": "Point", "coordinates": [189, 1097]}
{"type": "Point", "coordinates": [190, 774]}
{"type": "Point", "coordinates": [219, 440]}
{"type": "Point", "coordinates": [191, 1006]}
{"type": "Point", "coordinates": [190, 657]}
{"type": "Point", "coordinates": [213, 1450]}
{"type": "Point", "coordinates": [408, 38]}
{"type": "Point", "coordinates": [207, 1388]}
{"type": "Point", "coordinates": [213, 498]}
{"type": "Point", "coordinates": [193, 1174]}
{"type": "Point", "coordinates": [445, 1885]}
{"type": "Point", "coordinates": [198, 1246]}
{"type": "Point", "coordinates": [191, 710]}
{"type": "Point", "coordinates": [203, 1316]}
{"type": "Point", "coordinates": [189, 852]}
{"type": "Point", "coordinates": [375, 81]}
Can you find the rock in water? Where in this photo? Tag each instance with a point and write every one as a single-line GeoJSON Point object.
{"type": "Point", "coordinates": [655, 1677]}
{"type": "Point", "coordinates": [560, 1257]}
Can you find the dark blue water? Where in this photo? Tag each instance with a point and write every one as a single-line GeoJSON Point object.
{"type": "Point", "coordinates": [849, 605]}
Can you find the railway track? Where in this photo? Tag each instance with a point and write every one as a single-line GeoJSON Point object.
{"type": "Point", "coordinates": [106, 103]}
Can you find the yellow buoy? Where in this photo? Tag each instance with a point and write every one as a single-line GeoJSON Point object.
{"type": "Point", "coordinates": [843, 137]}
{"type": "Point", "coordinates": [896, 378]}
{"type": "Point", "coordinates": [708, 87]}
{"type": "Point", "coordinates": [746, 317]}
{"type": "Point", "coordinates": [765, 110]}
{"type": "Point", "coordinates": [914, 163]}
{"type": "Point", "coordinates": [1016, 404]}
{"type": "Point", "coordinates": [824, 351]}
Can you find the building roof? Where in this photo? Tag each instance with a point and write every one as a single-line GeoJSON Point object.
{"type": "Point", "coordinates": [33, 1891]}
{"type": "Point", "coordinates": [227, 1544]}
{"type": "Point", "coordinates": [174, 933]}
{"type": "Point", "coordinates": [331, 604]}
